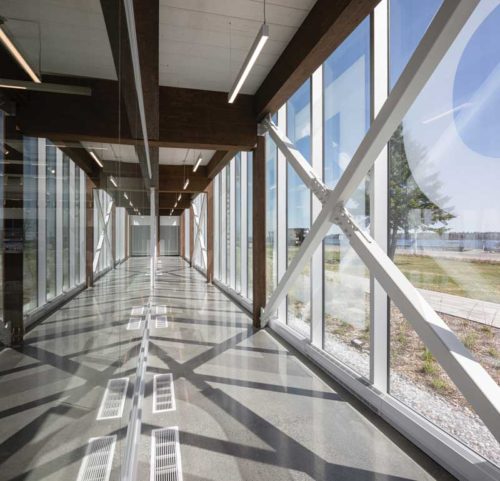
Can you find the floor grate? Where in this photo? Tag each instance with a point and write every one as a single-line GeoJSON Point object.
{"type": "Point", "coordinates": [114, 399]}
{"type": "Point", "coordinates": [96, 465]}
{"type": "Point", "coordinates": [161, 322]}
{"type": "Point", "coordinates": [159, 310]}
{"type": "Point", "coordinates": [163, 393]}
{"type": "Point", "coordinates": [137, 311]}
{"type": "Point", "coordinates": [165, 455]}
{"type": "Point", "coordinates": [134, 323]}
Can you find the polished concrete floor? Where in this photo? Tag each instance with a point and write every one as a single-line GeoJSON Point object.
{"type": "Point", "coordinates": [247, 407]}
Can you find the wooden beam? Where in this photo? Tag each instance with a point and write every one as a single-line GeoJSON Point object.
{"type": "Point", "coordinates": [326, 26]}
{"type": "Point", "coordinates": [204, 119]}
{"type": "Point", "coordinates": [259, 229]}
{"type": "Point", "coordinates": [169, 199]}
{"type": "Point", "coordinates": [219, 160]}
{"type": "Point", "coordinates": [166, 212]}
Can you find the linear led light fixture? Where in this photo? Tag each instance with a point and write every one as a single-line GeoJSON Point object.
{"type": "Point", "coordinates": [45, 87]}
{"type": "Point", "coordinates": [113, 181]}
{"type": "Point", "coordinates": [198, 162]}
{"type": "Point", "coordinates": [175, 205]}
{"type": "Point", "coordinates": [179, 197]}
{"type": "Point", "coordinates": [98, 162]}
{"type": "Point", "coordinates": [14, 51]}
{"type": "Point", "coordinates": [186, 184]}
{"type": "Point", "coordinates": [251, 58]}
{"type": "Point", "coordinates": [125, 195]}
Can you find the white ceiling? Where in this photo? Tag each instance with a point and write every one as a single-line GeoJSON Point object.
{"type": "Point", "coordinates": [114, 152]}
{"type": "Point", "coordinates": [203, 43]}
{"type": "Point", "coordinates": [65, 37]}
{"type": "Point", "coordinates": [171, 156]}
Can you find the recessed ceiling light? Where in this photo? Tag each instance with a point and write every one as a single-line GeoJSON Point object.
{"type": "Point", "coordinates": [198, 162]}
{"type": "Point", "coordinates": [98, 162]}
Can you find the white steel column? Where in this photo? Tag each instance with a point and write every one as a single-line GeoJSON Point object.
{"type": "Point", "coordinates": [379, 303]}
{"type": "Point", "coordinates": [59, 222]}
{"type": "Point", "coordinates": [71, 224]}
{"type": "Point", "coordinates": [232, 224]}
{"type": "Point", "coordinates": [281, 234]}
{"type": "Point", "coordinates": [317, 165]}
{"type": "Point", "coordinates": [42, 222]}
{"type": "Point", "coordinates": [244, 224]}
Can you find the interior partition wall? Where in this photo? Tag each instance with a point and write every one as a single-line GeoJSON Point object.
{"type": "Point", "coordinates": [140, 235]}
{"type": "Point", "coordinates": [199, 230]}
{"type": "Point", "coordinates": [430, 203]}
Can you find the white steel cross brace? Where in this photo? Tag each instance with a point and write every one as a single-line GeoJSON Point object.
{"type": "Point", "coordinates": [469, 376]}
{"type": "Point", "coordinates": [199, 224]}
{"type": "Point", "coordinates": [103, 236]}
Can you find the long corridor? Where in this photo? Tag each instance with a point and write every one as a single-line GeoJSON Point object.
{"type": "Point", "coordinates": [220, 401]}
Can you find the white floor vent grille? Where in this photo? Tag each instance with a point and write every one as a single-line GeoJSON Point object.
{"type": "Point", "coordinates": [165, 455]}
{"type": "Point", "coordinates": [114, 399]}
{"type": "Point", "coordinates": [134, 323]}
{"type": "Point", "coordinates": [159, 310]}
{"type": "Point", "coordinates": [163, 393]}
{"type": "Point", "coordinates": [137, 311]}
{"type": "Point", "coordinates": [96, 465]}
{"type": "Point", "coordinates": [161, 322]}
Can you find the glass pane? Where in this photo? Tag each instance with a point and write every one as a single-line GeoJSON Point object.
{"type": "Point", "coordinates": [65, 226]}
{"type": "Point", "coordinates": [346, 97]}
{"type": "Point", "coordinates": [237, 234]}
{"type": "Point", "coordinates": [444, 225]}
{"type": "Point", "coordinates": [271, 217]}
{"type": "Point", "coordinates": [30, 248]}
{"type": "Point", "coordinates": [50, 205]}
{"type": "Point", "coordinates": [299, 208]}
{"type": "Point", "coordinates": [250, 223]}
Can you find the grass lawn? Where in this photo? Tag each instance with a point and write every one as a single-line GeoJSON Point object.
{"type": "Point", "coordinates": [467, 278]}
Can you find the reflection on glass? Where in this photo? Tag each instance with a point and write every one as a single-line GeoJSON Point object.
{"type": "Point", "coordinates": [444, 225]}
{"type": "Point", "coordinates": [299, 208]}
{"type": "Point", "coordinates": [346, 94]}
{"type": "Point", "coordinates": [77, 227]}
{"type": "Point", "coordinates": [237, 234]}
{"type": "Point", "coordinates": [250, 224]}
{"type": "Point", "coordinates": [271, 217]}
{"type": "Point", "coordinates": [50, 205]}
{"type": "Point", "coordinates": [30, 245]}
{"type": "Point", "coordinates": [65, 226]}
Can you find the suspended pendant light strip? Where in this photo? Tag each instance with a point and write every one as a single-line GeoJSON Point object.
{"type": "Point", "coordinates": [253, 54]}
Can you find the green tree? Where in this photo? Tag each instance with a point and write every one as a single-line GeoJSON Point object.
{"type": "Point", "coordinates": [409, 207]}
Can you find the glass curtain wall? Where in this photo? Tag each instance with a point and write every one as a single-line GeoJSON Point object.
{"type": "Point", "coordinates": [200, 231]}
{"type": "Point", "coordinates": [442, 221]}
{"type": "Point", "coordinates": [232, 228]}
{"type": "Point", "coordinates": [53, 187]}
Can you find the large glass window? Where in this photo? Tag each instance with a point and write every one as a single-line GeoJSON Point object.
{"type": "Point", "coordinates": [50, 206]}
{"type": "Point", "coordinates": [271, 217]}
{"type": "Point", "coordinates": [30, 247]}
{"type": "Point", "coordinates": [250, 224]}
{"type": "Point", "coordinates": [237, 205]}
{"type": "Point", "coordinates": [299, 208]}
{"type": "Point", "coordinates": [346, 100]}
{"type": "Point", "coordinates": [65, 222]}
{"type": "Point", "coordinates": [444, 213]}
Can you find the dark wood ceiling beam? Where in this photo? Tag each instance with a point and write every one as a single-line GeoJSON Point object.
{"type": "Point", "coordinates": [326, 26]}
{"type": "Point", "coordinates": [167, 212]}
{"type": "Point", "coordinates": [202, 120]}
{"type": "Point", "coordinates": [219, 160]}
{"type": "Point", "coordinates": [169, 199]}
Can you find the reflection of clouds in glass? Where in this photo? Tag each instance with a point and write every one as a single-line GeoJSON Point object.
{"type": "Point", "coordinates": [469, 180]}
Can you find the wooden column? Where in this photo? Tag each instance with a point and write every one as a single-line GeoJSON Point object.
{"type": "Point", "coordinates": [210, 232]}
{"type": "Point", "coordinates": [13, 235]}
{"type": "Point", "coordinates": [182, 228]}
{"type": "Point", "coordinates": [259, 229]}
{"type": "Point", "coordinates": [191, 235]}
{"type": "Point", "coordinates": [89, 232]}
